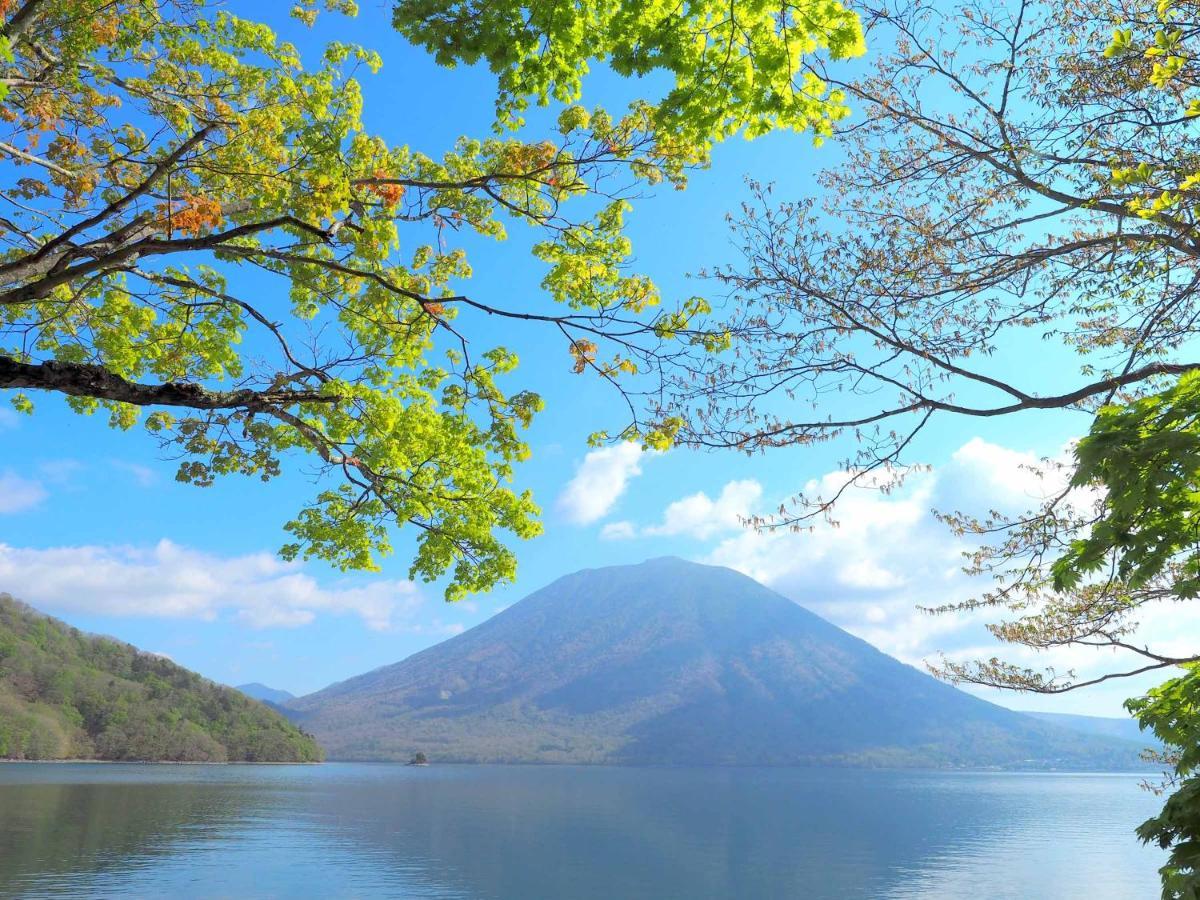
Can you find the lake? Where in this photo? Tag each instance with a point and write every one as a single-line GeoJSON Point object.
{"type": "Point", "coordinates": [568, 833]}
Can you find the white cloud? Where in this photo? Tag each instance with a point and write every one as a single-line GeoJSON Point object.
{"type": "Point", "coordinates": [8, 418]}
{"type": "Point", "coordinates": [18, 494]}
{"type": "Point", "coordinates": [868, 574]}
{"type": "Point", "coordinates": [60, 471]}
{"type": "Point", "coordinates": [599, 482]}
{"type": "Point", "coordinates": [144, 476]}
{"type": "Point", "coordinates": [885, 556]}
{"type": "Point", "coordinates": [982, 476]}
{"type": "Point", "coordinates": [170, 581]}
{"type": "Point", "coordinates": [701, 517]}
{"type": "Point", "coordinates": [875, 614]}
{"type": "Point", "coordinates": [618, 531]}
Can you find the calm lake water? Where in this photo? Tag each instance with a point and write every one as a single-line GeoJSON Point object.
{"type": "Point", "coordinates": [566, 833]}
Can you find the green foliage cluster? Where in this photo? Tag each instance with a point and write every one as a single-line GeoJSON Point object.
{"type": "Point", "coordinates": [192, 150]}
{"type": "Point", "coordinates": [738, 67]}
{"type": "Point", "coordinates": [1172, 710]}
{"type": "Point", "coordinates": [1146, 455]}
{"type": "Point", "coordinates": [68, 695]}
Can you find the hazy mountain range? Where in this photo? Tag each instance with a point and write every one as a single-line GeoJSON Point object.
{"type": "Point", "coordinates": [671, 662]}
{"type": "Point", "coordinates": [1118, 728]}
{"type": "Point", "coordinates": [268, 694]}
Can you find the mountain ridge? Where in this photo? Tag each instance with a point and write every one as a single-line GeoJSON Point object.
{"type": "Point", "coordinates": [671, 662]}
{"type": "Point", "coordinates": [1111, 726]}
{"type": "Point", "coordinates": [264, 693]}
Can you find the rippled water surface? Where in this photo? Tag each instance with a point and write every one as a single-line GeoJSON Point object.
{"type": "Point", "coordinates": [565, 833]}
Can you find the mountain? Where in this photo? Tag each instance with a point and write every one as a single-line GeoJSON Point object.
{"type": "Point", "coordinates": [1128, 729]}
{"type": "Point", "coordinates": [271, 695]}
{"type": "Point", "coordinates": [670, 662]}
{"type": "Point", "coordinates": [68, 695]}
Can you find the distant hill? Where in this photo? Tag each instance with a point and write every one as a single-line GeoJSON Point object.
{"type": "Point", "coordinates": [68, 695]}
{"type": "Point", "coordinates": [670, 662]}
{"type": "Point", "coordinates": [260, 691]}
{"type": "Point", "coordinates": [1111, 727]}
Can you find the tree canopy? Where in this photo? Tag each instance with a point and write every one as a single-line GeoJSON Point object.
{"type": "Point", "coordinates": [164, 159]}
{"type": "Point", "coordinates": [737, 67]}
{"type": "Point", "coordinates": [1008, 147]}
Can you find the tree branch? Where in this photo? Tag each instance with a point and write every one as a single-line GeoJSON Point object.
{"type": "Point", "coordinates": [87, 380]}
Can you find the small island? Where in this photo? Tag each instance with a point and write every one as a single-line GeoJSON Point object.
{"type": "Point", "coordinates": [419, 759]}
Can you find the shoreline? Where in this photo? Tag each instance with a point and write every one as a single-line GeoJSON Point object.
{"type": "Point", "coordinates": [156, 762]}
{"type": "Point", "coordinates": [501, 765]}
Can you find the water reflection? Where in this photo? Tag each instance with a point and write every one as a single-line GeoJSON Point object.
{"type": "Point", "coordinates": [62, 828]}
{"type": "Point", "coordinates": [497, 833]}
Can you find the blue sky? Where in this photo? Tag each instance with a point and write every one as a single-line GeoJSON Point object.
{"type": "Point", "coordinates": [94, 529]}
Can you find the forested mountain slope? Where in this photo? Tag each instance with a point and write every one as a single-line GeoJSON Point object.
{"type": "Point", "coordinates": [69, 695]}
